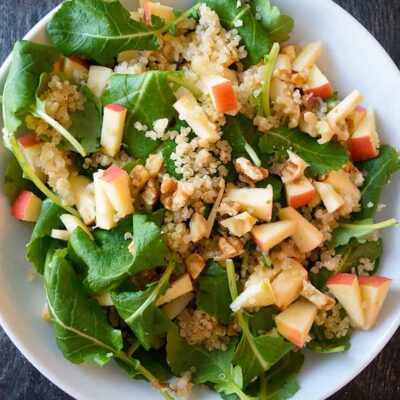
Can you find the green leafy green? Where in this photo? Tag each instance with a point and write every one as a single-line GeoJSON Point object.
{"type": "Point", "coordinates": [148, 98]}
{"type": "Point", "coordinates": [321, 344]}
{"type": "Point", "coordinates": [277, 25]}
{"type": "Point", "coordinates": [168, 148]}
{"type": "Point", "coordinates": [377, 173]}
{"type": "Point", "coordinates": [139, 310]}
{"type": "Point", "coordinates": [251, 31]}
{"type": "Point", "coordinates": [41, 240]}
{"type": "Point", "coordinates": [14, 182]}
{"type": "Point", "coordinates": [321, 157]}
{"type": "Point", "coordinates": [214, 296]}
{"type": "Point", "coordinates": [210, 366]}
{"type": "Point", "coordinates": [262, 320]}
{"type": "Point", "coordinates": [155, 362]}
{"type": "Point", "coordinates": [359, 230]}
{"type": "Point", "coordinates": [82, 330]}
{"type": "Point", "coordinates": [319, 279]}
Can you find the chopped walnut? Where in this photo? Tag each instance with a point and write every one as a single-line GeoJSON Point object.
{"type": "Point", "coordinates": [195, 264]}
{"type": "Point", "coordinates": [293, 168]}
{"type": "Point", "coordinates": [229, 247]}
{"type": "Point", "coordinates": [174, 194]}
{"type": "Point", "coordinates": [139, 176]}
{"type": "Point", "coordinates": [198, 227]}
{"type": "Point", "coordinates": [308, 123]}
{"type": "Point", "coordinates": [228, 207]}
{"type": "Point", "coordinates": [325, 130]}
{"type": "Point", "coordinates": [321, 300]}
{"type": "Point", "coordinates": [298, 79]}
{"type": "Point", "coordinates": [240, 224]}
{"type": "Point", "coordinates": [150, 193]}
{"type": "Point", "coordinates": [154, 164]}
{"type": "Point", "coordinates": [248, 172]}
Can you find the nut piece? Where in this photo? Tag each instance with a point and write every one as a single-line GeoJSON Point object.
{"type": "Point", "coordinates": [293, 168]}
{"type": "Point", "coordinates": [150, 193]}
{"type": "Point", "coordinates": [154, 164]}
{"type": "Point", "coordinates": [139, 176]}
{"type": "Point", "coordinates": [195, 264]}
{"type": "Point", "coordinates": [229, 207]}
{"type": "Point", "coordinates": [248, 172]}
{"type": "Point", "coordinates": [321, 300]}
{"type": "Point", "coordinates": [308, 123]}
{"type": "Point", "coordinates": [240, 224]}
{"type": "Point", "coordinates": [230, 247]}
{"type": "Point", "coordinates": [174, 194]}
{"type": "Point", "coordinates": [198, 227]}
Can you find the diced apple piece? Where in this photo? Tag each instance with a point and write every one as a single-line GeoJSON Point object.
{"type": "Point", "coordinates": [84, 198]}
{"type": "Point", "coordinates": [364, 142]}
{"type": "Point", "coordinates": [98, 79]}
{"type": "Point", "coordinates": [346, 289]}
{"type": "Point", "coordinates": [257, 294]}
{"type": "Point", "coordinates": [331, 199]}
{"type": "Point", "coordinates": [105, 214]}
{"type": "Point", "coordinates": [164, 12]}
{"type": "Point", "coordinates": [31, 148]}
{"type": "Point", "coordinates": [198, 227]}
{"type": "Point", "coordinates": [175, 307]}
{"type": "Point", "coordinates": [318, 84]}
{"type": "Point", "coordinates": [278, 88]}
{"type": "Point", "coordinates": [60, 234]}
{"type": "Point", "coordinates": [115, 183]}
{"type": "Point", "coordinates": [195, 264]}
{"type": "Point", "coordinates": [71, 223]}
{"type": "Point", "coordinates": [256, 201]}
{"type": "Point", "coordinates": [344, 108]}
{"type": "Point", "coordinates": [269, 235]}
{"type": "Point", "coordinates": [26, 207]}
{"type": "Point", "coordinates": [321, 300]}
{"type": "Point", "coordinates": [295, 323]}
{"type": "Point", "coordinates": [342, 183]}
{"type": "Point", "coordinates": [105, 300]}
{"type": "Point", "coordinates": [178, 288]}
{"type": "Point", "coordinates": [307, 57]}
{"type": "Point", "coordinates": [240, 224]}
{"type": "Point", "coordinates": [356, 116]}
{"type": "Point", "coordinates": [288, 284]}
{"type": "Point", "coordinates": [127, 55]}
{"type": "Point", "coordinates": [75, 67]}
{"type": "Point", "coordinates": [374, 290]}
{"type": "Point", "coordinates": [113, 128]}
{"type": "Point", "coordinates": [299, 193]}
{"type": "Point", "coordinates": [222, 94]}
{"type": "Point", "coordinates": [190, 111]}
{"type": "Point", "coordinates": [283, 62]}
{"type": "Point", "coordinates": [306, 236]}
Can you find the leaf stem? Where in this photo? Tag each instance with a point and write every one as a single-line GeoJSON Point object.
{"type": "Point", "coordinates": [381, 225]}
{"type": "Point", "coordinates": [179, 19]}
{"type": "Point", "coordinates": [133, 348]}
{"type": "Point", "coordinates": [269, 61]}
{"type": "Point", "coordinates": [60, 129]}
{"type": "Point", "coordinates": [230, 269]}
{"type": "Point", "coordinates": [239, 392]}
{"type": "Point", "coordinates": [263, 387]}
{"type": "Point", "coordinates": [266, 259]}
{"type": "Point", "coordinates": [184, 83]}
{"type": "Point", "coordinates": [34, 178]}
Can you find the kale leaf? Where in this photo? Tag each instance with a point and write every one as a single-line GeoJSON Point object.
{"type": "Point", "coordinates": [377, 172]}
{"type": "Point", "coordinates": [82, 330]}
{"type": "Point", "coordinates": [41, 240]}
{"type": "Point", "coordinates": [139, 310]}
{"type": "Point", "coordinates": [214, 296]}
{"type": "Point", "coordinates": [98, 30]}
{"type": "Point", "coordinates": [148, 98]}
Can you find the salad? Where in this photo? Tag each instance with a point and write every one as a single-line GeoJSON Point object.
{"type": "Point", "coordinates": [204, 202]}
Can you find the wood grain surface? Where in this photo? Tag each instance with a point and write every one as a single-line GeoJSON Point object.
{"type": "Point", "coordinates": [379, 381]}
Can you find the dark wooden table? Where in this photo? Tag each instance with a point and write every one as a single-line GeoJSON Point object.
{"type": "Point", "coordinates": [380, 381]}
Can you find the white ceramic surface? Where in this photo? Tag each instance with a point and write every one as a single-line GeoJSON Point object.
{"type": "Point", "coordinates": [353, 59]}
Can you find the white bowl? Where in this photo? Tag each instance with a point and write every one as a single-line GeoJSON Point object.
{"type": "Point", "coordinates": [353, 59]}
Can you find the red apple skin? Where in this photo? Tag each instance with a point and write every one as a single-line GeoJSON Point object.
{"type": "Point", "coordinates": [29, 140]}
{"type": "Point", "coordinates": [294, 336]}
{"type": "Point", "coordinates": [341, 279]}
{"type": "Point", "coordinates": [259, 243]}
{"type": "Point", "coordinates": [362, 148]}
{"type": "Point", "coordinates": [147, 13]}
{"type": "Point", "coordinates": [323, 91]}
{"type": "Point", "coordinates": [112, 173]}
{"type": "Point", "coordinates": [301, 200]}
{"type": "Point", "coordinates": [21, 204]}
{"type": "Point", "coordinates": [225, 97]}
{"type": "Point", "coordinates": [58, 65]}
{"type": "Point", "coordinates": [115, 107]}
{"type": "Point", "coordinates": [360, 109]}
{"type": "Point", "coordinates": [374, 281]}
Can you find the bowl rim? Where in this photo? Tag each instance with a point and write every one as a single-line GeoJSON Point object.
{"type": "Point", "coordinates": [41, 365]}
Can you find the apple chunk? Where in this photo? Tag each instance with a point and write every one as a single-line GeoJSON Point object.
{"type": "Point", "coordinates": [26, 207]}
{"type": "Point", "coordinates": [178, 288]}
{"type": "Point", "coordinates": [84, 198]}
{"type": "Point", "coordinates": [256, 201]}
{"type": "Point", "coordinates": [98, 79]}
{"type": "Point", "coordinates": [344, 108]}
{"type": "Point", "coordinates": [115, 183]}
{"type": "Point", "coordinates": [113, 128]}
{"type": "Point", "coordinates": [342, 183]}
{"type": "Point", "coordinates": [374, 290]}
{"type": "Point", "coordinates": [331, 199]}
{"type": "Point", "coordinates": [299, 193]}
{"type": "Point", "coordinates": [60, 234]}
{"type": "Point", "coordinates": [356, 117]}
{"type": "Point", "coordinates": [240, 224]}
{"type": "Point", "coordinates": [222, 94]}
{"type": "Point", "coordinates": [105, 214]}
{"type": "Point", "coordinates": [321, 300]}
{"type": "Point", "coordinates": [190, 111]}
{"type": "Point", "coordinates": [295, 323]}
{"type": "Point", "coordinates": [346, 289]}
{"type": "Point", "coordinates": [318, 84]}
{"type": "Point", "coordinates": [307, 57]}
{"type": "Point", "coordinates": [176, 306]}
{"type": "Point", "coordinates": [71, 223]}
{"type": "Point", "coordinates": [158, 10]}
{"type": "Point", "coordinates": [31, 148]}
{"type": "Point", "coordinates": [269, 235]}
{"type": "Point", "coordinates": [364, 142]}
{"type": "Point", "coordinates": [306, 236]}
{"type": "Point", "coordinates": [75, 67]}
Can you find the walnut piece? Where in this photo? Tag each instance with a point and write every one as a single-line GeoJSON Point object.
{"type": "Point", "coordinates": [139, 176]}
{"type": "Point", "coordinates": [150, 193]}
{"type": "Point", "coordinates": [198, 227]}
{"type": "Point", "coordinates": [175, 195]}
{"type": "Point", "coordinates": [248, 172]}
{"type": "Point", "coordinates": [229, 247]}
{"type": "Point", "coordinates": [154, 164]}
{"type": "Point", "coordinates": [195, 264]}
{"type": "Point", "coordinates": [229, 207]}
